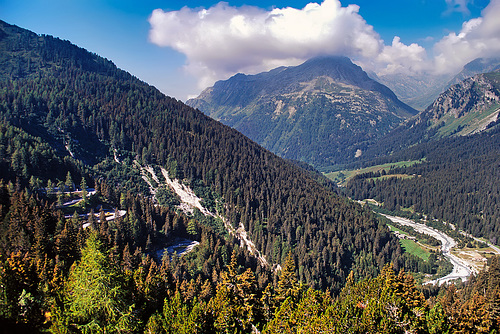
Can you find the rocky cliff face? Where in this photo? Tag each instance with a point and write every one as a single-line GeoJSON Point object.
{"type": "Point", "coordinates": [468, 107]}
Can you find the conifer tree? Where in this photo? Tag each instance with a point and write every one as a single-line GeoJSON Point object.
{"type": "Point", "coordinates": [69, 182]}
{"type": "Point", "coordinates": [97, 300]}
{"type": "Point", "coordinates": [288, 286]}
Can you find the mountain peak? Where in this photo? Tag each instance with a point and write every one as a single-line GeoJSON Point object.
{"type": "Point", "coordinates": [339, 68]}
{"type": "Point", "coordinates": [320, 111]}
{"type": "Point", "coordinates": [329, 61]}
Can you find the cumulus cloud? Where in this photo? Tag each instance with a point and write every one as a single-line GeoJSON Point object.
{"type": "Point", "coordinates": [479, 37]}
{"type": "Point", "coordinates": [223, 40]}
{"type": "Point", "coordinates": [402, 58]}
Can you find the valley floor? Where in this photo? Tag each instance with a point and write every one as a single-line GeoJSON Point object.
{"type": "Point", "coordinates": [463, 264]}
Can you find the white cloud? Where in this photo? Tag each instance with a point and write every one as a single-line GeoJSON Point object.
{"type": "Point", "coordinates": [401, 58]}
{"type": "Point", "coordinates": [479, 37]}
{"type": "Point", "coordinates": [223, 40]}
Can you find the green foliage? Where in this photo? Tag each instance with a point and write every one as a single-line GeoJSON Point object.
{"type": "Point", "coordinates": [180, 317]}
{"type": "Point", "coordinates": [166, 197]}
{"type": "Point", "coordinates": [412, 247]}
{"type": "Point", "coordinates": [388, 303]}
{"type": "Point", "coordinates": [235, 306]}
{"type": "Point", "coordinates": [306, 315]}
{"type": "Point", "coordinates": [18, 289]}
{"type": "Point", "coordinates": [30, 159]}
{"type": "Point", "coordinates": [436, 320]}
{"type": "Point", "coordinates": [101, 294]}
{"type": "Point", "coordinates": [97, 299]}
{"type": "Point", "coordinates": [288, 286]}
{"type": "Point", "coordinates": [344, 176]}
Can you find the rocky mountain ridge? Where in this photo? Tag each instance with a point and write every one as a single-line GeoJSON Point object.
{"type": "Point", "coordinates": [468, 107]}
{"type": "Point", "coordinates": [322, 112]}
{"type": "Point", "coordinates": [420, 90]}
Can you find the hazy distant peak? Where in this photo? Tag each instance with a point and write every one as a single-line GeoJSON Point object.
{"type": "Point", "coordinates": [477, 66]}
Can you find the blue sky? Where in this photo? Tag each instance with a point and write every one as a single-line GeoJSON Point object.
{"type": "Point", "coordinates": [429, 34]}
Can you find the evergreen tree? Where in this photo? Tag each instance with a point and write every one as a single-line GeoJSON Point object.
{"type": "Point", "coordinates": [97, 299]}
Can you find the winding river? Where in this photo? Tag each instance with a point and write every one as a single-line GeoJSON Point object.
{"type": "Point", "coordinates": [461, 270]}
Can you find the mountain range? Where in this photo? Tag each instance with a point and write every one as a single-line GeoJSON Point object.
{"type": "Point", "coordinates": [328, 111]}
{"type": "Point", "coordinates": [261, 244]}
{"type": "Point", "coordinates": [323, 111]}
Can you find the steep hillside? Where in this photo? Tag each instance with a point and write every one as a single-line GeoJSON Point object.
{"type": "Point", "coordinates": [116, 126]}
{"type": "Point", "coordinates": [322, 112]}
{"type": "Point", "coordinates": [470, 106]}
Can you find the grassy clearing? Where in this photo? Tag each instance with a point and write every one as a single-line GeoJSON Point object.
{"type": "Point", "coordinates": [394, 228]}
{"type": "Point", "coordinates": [400, 176]}
{"type": "Point", "coordinates": [343, 176]}
{"type": "Point", "coordinates": [413, 248]}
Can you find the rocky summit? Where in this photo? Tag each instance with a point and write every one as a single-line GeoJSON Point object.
{"type": "Point", "coordinates": [324, 111]}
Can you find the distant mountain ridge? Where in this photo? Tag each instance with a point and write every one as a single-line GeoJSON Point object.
{"type": "Point", "coordinates": [477, 66]}
{"type": "Point", "coordinates": [469, 107]}
{"type": "Point", "coordinates": [420, 90]}
{"type": "Point", "coordinates": [323, 111]}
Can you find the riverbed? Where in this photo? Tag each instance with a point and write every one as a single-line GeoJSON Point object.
{"type": "Point", "coordinates": [461, 270]}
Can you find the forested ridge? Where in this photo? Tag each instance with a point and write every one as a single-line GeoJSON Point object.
{"type": "Point", "coordinates": [65, 279]}
{"type": "Point", "coordinates": [82, 103]}
{"type": "Point", "coordinates": [458, 183]}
